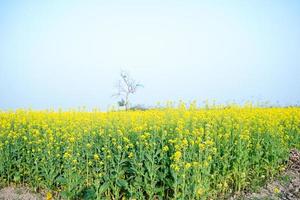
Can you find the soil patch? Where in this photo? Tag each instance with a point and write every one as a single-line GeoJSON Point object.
{"type": "Point", "coordinates": [18, 193]}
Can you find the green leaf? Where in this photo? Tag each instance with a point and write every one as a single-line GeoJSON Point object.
{"type": "Point", "coordinates": [122, 183]}
{"type": "Point", "coordinates": [61, 180]}
{"type": "Point", "coordinates": [90, 194]}
{"type": "Point", "coordinates": [66, 195]}
{"type": "Point", "coordinates": [17, 178]}
{"type": "Point", "coordinates": [103, 187]}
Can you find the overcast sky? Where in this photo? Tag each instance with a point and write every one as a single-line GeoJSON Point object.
{"type": "Point", "coordinates": [69, 53]}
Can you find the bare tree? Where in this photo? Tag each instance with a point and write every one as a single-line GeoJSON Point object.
{"type": "Point", "coordinates": [126, 86]}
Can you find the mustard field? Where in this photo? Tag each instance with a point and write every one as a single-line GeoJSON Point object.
{"type": "Point", "coordinates": [170, 153]}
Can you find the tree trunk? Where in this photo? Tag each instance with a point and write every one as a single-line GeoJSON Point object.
{"type": "Point", "coordinates": [126, 102]}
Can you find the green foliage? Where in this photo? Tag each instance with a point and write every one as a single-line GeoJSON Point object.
{"type": "Point", "coordinates": [154, 154]}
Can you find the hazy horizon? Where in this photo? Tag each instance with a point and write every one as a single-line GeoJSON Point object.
{"type": "Point", "coordinates": [56, 54]}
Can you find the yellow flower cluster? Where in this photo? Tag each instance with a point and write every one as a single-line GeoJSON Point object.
{"type": "Point", "coordinates": [183, 153]}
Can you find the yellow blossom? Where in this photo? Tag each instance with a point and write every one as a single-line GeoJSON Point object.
{"type": "Point", "coordinates": [177, 156]}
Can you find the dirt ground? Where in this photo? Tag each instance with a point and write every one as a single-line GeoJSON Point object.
{"type": "Point", "coordinates": [284, 187]}
{"type": "Point", "coordinates": [20, 193]}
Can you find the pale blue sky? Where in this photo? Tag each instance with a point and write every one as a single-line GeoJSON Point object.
{"type": "Point", "coordinates": [69, 53]}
